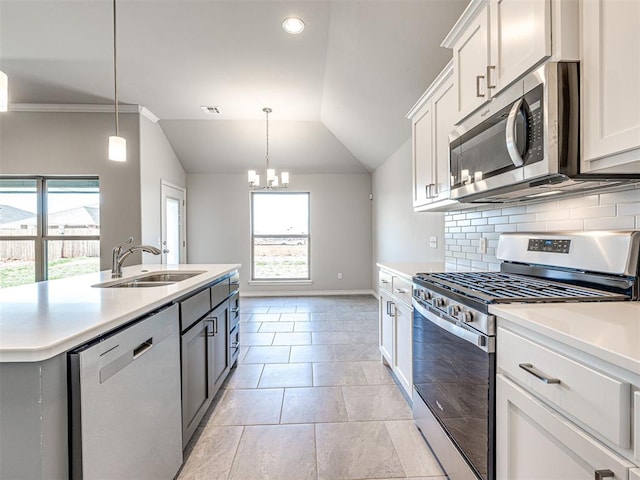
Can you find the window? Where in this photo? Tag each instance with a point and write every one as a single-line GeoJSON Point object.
{"type": "Point", "coordinates": [280, 236]}
{"type": "Point", "coordinates": [49, 228]}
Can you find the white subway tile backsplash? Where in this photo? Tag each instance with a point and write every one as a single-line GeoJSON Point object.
{"type": "Point", "coordinates": [565, 225]}
{"type": "Point", "coordinates": [492, 213]}
{"type": "Point", "coordinates": [557, 214]}
{"type": "Point", "coordinates": [496, 220]}
{"type": "Point", "coordinates": [589, 201]}
{"type": "Point", "coordinates": [531, 227]}
{"type": "Point", "coordinates": [611, 223]}
{"type": "Point", "coordinates": [525, 217]}
{"type": "Point", "coordinates": [628, 209]}
{"type": "Point", "coordinates": [542, 207]}
{"type": "Point", "coordinates": [594, 212]}
{"type": "Point", "coordinates": [463, 229]}
{"type": "Point", "coordinates": [512, 227]}
{"type": "Point", "coordinates": [625, 196]}
{"type": "Point", "coordinates": [514, 210]}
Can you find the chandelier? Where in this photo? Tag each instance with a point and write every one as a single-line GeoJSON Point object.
{"type": "Point", "coordinates": [273, 181]}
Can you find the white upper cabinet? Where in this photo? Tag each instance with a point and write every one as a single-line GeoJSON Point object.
{"type": "Point", "coordinates": [423, 178]}
{"type": "Point", "coordinates": [471, 60]}
{"type": "Point", "coordinates": [432, 121]}
{"type": "Point", "coordinates": [520, 39]}
{"type": "Point", "coordinates": [496, 42]}
{"type": "Point", "coordinates": [610, 84]}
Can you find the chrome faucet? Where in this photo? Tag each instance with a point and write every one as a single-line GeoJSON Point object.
{"type": "Point", "coordinates": [118, 256]}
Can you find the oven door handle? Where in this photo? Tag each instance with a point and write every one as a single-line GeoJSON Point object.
{"type": "Point", "coordinates": [481, 341]}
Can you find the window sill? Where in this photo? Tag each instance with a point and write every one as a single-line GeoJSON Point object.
{"type": "Point", "coordinates": [280, 282]}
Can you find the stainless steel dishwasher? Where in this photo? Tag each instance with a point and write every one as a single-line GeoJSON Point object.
{"type": "Point", "coordinates": [124, 402]}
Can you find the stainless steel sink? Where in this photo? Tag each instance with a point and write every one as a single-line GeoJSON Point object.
{"type": "Point", "coordinates": [155, 279]}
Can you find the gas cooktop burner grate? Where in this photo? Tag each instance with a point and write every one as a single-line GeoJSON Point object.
{"type": "Point", "coordinates": [494, 287]}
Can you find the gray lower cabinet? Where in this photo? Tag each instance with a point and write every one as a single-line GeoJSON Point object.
{"type": "Point", "coordinates": [206, 350]}
{"type": "Point", "coordinates": [197, 356]}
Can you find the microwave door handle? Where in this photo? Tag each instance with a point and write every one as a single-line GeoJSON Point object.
{"type": "Point", "coordinates": [512, 145]}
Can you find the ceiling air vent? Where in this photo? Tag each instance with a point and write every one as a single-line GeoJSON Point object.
{"type": "Point", "coordinates": [209, 110]}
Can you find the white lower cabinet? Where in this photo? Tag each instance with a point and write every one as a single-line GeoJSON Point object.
{"type": "Point", "coordinates": [535, 442]}
{"type": "Point", "coordinates": [403, 351]}
{"type": "Point", "coordinates": [396, 327]}
{"type": "Point", "coordinates": [387, 321]}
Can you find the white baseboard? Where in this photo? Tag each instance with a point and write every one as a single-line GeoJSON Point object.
{"type": "Point", "coordinates": [313, 293]}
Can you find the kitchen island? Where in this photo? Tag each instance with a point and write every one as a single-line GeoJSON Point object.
{"type": "Point", "coordinates": [39, 324]}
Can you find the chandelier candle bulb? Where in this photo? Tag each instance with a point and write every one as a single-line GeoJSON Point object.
{"type": "Point", "coordinates": [285, 178]}
{"type": "Point", "coordinates": [271, 174]}
{"type": "Point", "coordinates": [256, 181]}
{"type": "Point", "coordinates": [274, 182]}
{"type": "Point", "coordinates": [251, 176]}
{"type": "Point", "coordinates": [4, 92]}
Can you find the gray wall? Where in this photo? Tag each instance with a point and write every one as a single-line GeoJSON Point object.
{"type": "Point", "coordinates": [400, 234]}
{"type": "Point", "coordinates": [158, 162]}
{"type": "Point", "coordinates": [218, 228]}
{"type": "Point", "coordinates": [76, 144]}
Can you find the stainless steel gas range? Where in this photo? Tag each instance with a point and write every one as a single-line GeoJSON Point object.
{"type": "Point", "coordinates": [454, 334]}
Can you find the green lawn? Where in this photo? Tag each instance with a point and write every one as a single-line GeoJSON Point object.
{"type": "Point", "coordinates": [13, 273]}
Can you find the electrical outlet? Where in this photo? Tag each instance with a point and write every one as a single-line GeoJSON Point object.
{"type": "Point", "coordinates": [433, 241]}
{"type": "Point", "coordinates": [482, 248]}
{"type": "Point", "coordinates": [340, 276]}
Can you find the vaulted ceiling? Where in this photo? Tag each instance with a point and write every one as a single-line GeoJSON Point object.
{"type": "Point", "coordinates": [339, 91]}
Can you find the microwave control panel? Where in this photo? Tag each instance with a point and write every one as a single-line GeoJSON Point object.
{"type": "Point", "coordinates": [533, 106]}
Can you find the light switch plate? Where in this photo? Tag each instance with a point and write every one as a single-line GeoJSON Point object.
{"type": "Point", "coordinates": [433, 242]}
{"type": "Point", "coordinates": [482, 248]}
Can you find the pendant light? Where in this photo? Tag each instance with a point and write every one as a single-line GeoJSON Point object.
{"type": "Point", "coordinates": [4, 92]}
{"type": "Point", "coordinates": [273, 181]}
{"type": "Point", "coordinates": [117, 144]}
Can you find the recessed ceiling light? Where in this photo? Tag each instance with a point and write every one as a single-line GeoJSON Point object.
{"type": "Point", "coordinates": [293, 25]}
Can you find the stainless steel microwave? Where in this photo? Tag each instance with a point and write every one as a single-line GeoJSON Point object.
{"type": "Point", "coordinates": [525, 143]}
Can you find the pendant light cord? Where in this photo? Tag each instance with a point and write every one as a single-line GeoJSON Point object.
{"type": "Point", "coordinates": [267, 110]}
{"type": "Point", "coordinates": [115, 68]}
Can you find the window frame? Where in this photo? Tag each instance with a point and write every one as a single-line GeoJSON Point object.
{"type": "Point", "coordinates": [41, 237]}
{"type": "Point", "coordinates": [253, 236]}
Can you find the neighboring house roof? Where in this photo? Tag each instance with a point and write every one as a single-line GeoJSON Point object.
{"type": "Point", "coordinates": [9, 214]}
{"type": "Point", "coordinates": [87, 216]}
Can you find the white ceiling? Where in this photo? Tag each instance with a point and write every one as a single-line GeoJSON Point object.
{"type": "Point", "coordinates": [339, 91]}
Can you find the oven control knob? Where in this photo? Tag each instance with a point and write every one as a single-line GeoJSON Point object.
{"type": "Point", "coordinates": [466, 317]}
{"type": "Point", "coordinates": [437, 302]}
{"type": "Point", "coordinates": [453, 310]}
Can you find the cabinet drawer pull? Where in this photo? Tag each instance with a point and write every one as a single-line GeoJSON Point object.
{"type": "Point", "coordinates": [384, 281]}
{"type": "Point", "coordinates": [401, 290]}
{"type": "Point", "coordinates": [489, 68]}
{"type": "Point", "coordinates": [478, 94]}
{"type": "Point", "coordinates": [601, 474]}
{"type": "Point", "coordinates": [538, 374]}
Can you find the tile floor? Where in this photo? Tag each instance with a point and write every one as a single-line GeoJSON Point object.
{"type": "Point", "coordinates": [309, 399]}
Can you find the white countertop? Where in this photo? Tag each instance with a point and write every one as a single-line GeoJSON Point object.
{"type": "Point", "coordinates": [607, 330]}
{"type": "Point", "coordinates": [41, 320]}
{"type": "Point", "coordinates": [408, 270]}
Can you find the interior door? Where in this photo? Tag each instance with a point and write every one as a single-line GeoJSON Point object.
{"type": "Point", "coordinates": [174, 242]}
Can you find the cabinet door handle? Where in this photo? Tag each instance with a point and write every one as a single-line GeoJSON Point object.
{"type": "Point", "coordinates": [489, 68]}
{"type": "Point", "coordinates": [478, 94]}
{"type": "Point", "coordinates": [426, 191]}
{"type": "Point", "coordinates": [434, 190]}
{"type": "Point", "coordinates": [602, 474]}
{"type": "Point", "coordinates": [388, 307]}
{"type": "Point", "coordinates": [538, 374]}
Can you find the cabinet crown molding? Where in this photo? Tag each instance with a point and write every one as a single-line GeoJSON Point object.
{"type": "Point", "coordinates": [446, 72]}
{"type": "Point", "coordinates": [460, 26]}
{"type": "Point", "coordinates": [81, 108]}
